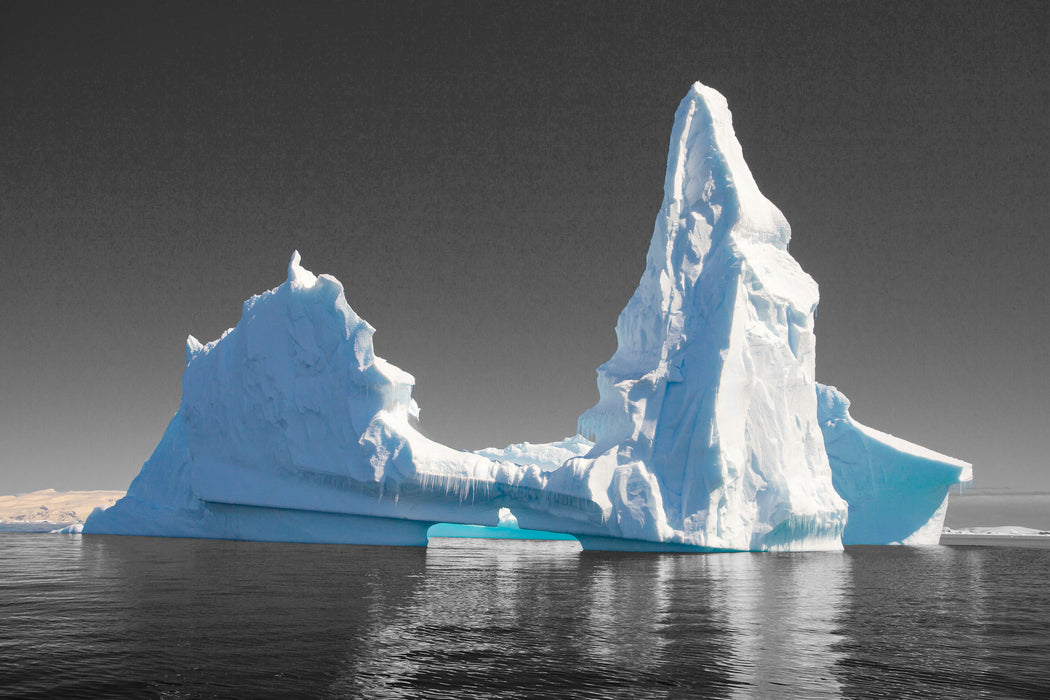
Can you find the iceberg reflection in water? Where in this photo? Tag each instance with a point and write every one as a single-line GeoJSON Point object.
{"type": "Point", "coordinates": [98, 616]}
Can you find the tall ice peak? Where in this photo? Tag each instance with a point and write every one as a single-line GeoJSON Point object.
{"type": "Point", "coordinates": [708, 405]}
{"type": "Point", "coordinates": [707, 176]}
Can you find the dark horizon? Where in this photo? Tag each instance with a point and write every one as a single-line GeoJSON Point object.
{"type": "Point", "coordinates": [483, 179]}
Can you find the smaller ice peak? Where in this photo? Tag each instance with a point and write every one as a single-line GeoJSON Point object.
{"type": "Point", "coordinates": [193, 348]}
{"type": "Point", "coordinates": [299, 276]}
{"type": "Point", "coordinates": [294, 385]}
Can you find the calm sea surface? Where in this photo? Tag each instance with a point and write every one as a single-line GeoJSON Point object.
{"type": "Point", "coordinates": [109, 617]}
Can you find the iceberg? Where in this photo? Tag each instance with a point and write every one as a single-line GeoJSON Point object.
{"type": "Point", "coordinates": [706, 435]}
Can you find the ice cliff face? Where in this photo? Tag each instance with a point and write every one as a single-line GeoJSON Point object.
{"type": "Point", "coordinates": [706, 436]}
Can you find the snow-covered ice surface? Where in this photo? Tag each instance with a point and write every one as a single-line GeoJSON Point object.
{"type": "Point", "coordinates": [705, 436]}
{"type": "Point", "coordinates": [897, 491]}
{"type": "Point", "coordinates": [546, 456]}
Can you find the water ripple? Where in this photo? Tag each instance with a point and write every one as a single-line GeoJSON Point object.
{"type": "Point", "coordinates": [115, 617]}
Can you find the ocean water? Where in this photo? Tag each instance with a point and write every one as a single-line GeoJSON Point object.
{"type": "Point", "coordinates": [110, 617]}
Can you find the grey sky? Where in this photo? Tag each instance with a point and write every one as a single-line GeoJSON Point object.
{"type": "Point", "coordinates": [483, 179]}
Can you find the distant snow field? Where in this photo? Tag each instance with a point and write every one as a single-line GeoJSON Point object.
{"type": "Point", "coordinates": [998, 536]}
{"type": "Point", "coordinates": [1002, 531]}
